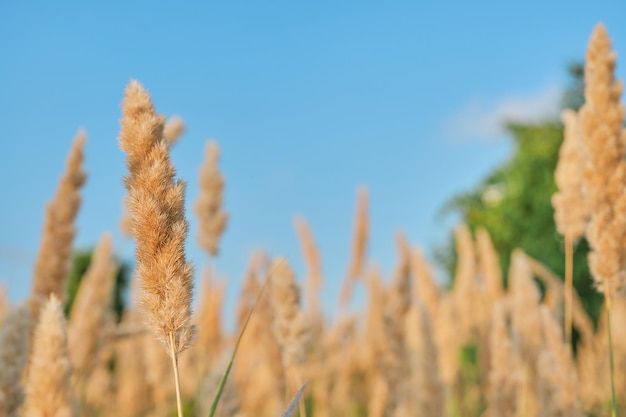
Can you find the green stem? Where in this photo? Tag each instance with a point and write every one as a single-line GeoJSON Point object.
{"type": "Point", "coordinates": [569, 290]}
{"type": "Point", "coordinates": [608, 317]}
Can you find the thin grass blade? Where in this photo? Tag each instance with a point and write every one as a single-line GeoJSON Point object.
{"type": "Point", "coordinates": [294, 402]}
{"type": "Point", "coordinates": [222, 384]}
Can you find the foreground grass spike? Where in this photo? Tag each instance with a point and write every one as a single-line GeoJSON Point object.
{"type": "Point", "coordinates": [14, 335]}
{"type": "Point", "coordinates": [53, 260]}
{"type": "Point", "coordinates": [172, 131]}
{"type": "Point", "coordinates": [156, 204]}
{"type": "Point", "coordinates": [208, 208]}
{"type": "Point", "coordinates": [48, 389]}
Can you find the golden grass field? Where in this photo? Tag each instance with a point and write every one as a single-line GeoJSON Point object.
{"type": "Point", "coordinates": [479, 349]}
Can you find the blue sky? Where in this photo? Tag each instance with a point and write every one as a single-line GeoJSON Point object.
{"type": "Point", "coordinates": [308, 101]}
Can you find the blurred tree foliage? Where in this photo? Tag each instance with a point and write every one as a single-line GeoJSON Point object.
{"type": "Point", "coordinates": [80, 263]}
{"type": "Point", "coordinates": [513, 202]}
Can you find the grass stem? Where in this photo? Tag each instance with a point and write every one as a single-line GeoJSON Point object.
{"type": "Point", "coordinates": [569, 288]}
{"type": "Point", "coordinates": [174, 356]}
{"type": "Point", "coordinates": [607, 300]}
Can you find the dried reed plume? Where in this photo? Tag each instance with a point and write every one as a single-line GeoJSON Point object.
{"type": "Point", "coordinates": [426, 292]}
{"type": "Point", "coordinates": [173, 130]}
{"type": "Point", "coordinates": [570, 206]}
{"type": "Point", "coordinates": [359, 246]}
{"type": "Point", "coordinates": [258, 372]}
{"type": "Point", "coordinates": [423, 357]}
{"type": "Point", "coordinates": [14, 335]}
{"type": "Point", "coordinates": [47, 388]}
{"type": "Point", "coordinates": [602, 118]}
{"type": "Point", "coordinates": [52, 266]}
{"type": "Point", "coordinates": [464, 290]}
{"type": "Point", "coordinates": [391, 352]}
{"type": "Point", "coordinates": [132, 388]}
{"type": "Point", "coordinates": [505, 377]}
{"type": "Point", "coordinates": [290, 325]}
{"type": "Point", "coordinates": [314, 279]}
{"type": "Point", "coordinates": [208, 208]}
{"type": "Point", "coordinates": [210, 337]}
{"type": "Point", "coordinates": [156, 203]}
{"type": "Point", "coordinates": [558, 387]}
{"type": "Point", "coordinates": [90, 308]}
{"type": "Point", "coordinates": [489, 266]}
{"type": "Point", "coordinates": [526, 319]}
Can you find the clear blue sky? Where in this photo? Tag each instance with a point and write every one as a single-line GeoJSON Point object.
{"type": "Point", "coordinates": [307, 101]}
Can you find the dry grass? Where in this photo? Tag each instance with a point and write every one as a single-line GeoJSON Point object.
{"type": "Point", "coordinates": [414, 349]}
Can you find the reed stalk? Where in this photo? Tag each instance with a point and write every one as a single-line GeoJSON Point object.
{"type": "Point", "coordinates": [569, 288]}
{"type": "Point", "coordinates": [607, 300]}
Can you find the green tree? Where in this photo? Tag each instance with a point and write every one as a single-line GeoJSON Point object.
{"type": "Point", "coordinates": [513, 203]}
{"type": "Point", "coordinates": [80, 263]}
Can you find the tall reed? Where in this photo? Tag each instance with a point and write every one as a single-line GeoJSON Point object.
{"type": "Point", "coordinates": [52, 266]}
{"type": "Point", "coordinates": [156, 204]}
{"type": "Point", "coordinates": [602, 118]}
{"type": "Point", "coordinates": [359, 246]}
{"type": "Point", "coordinates": [571, 210]}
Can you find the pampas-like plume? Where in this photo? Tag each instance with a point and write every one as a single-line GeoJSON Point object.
{"type": "Point", "coordinates": [157, 209]}
{"type": "Point", "coordinates": [133, 391]}
{"type": "Point", "coordinates": [210, 336]}
{"type": "Point", "coordinates": [14, 335]}
{"type": "Point", "coordinates": [429, 392]}
{"type": "Point", "coordinates": [48, 389]}
{"type": "Point", "coordinates": [173, 130]}
{"type": "Point", "coordinates": [90, 308]}
{"type": "Point", "coordinates": [525, 308]}
{"type": "Point", "coordinates": [570, 206]}
{"type": "Point", "coordinates": [290, 325]}
{"type": "Point", "coordinates": [602, 118]}
{"type": "Point", "coordinates": [489, 266]}
{"type": "Point", "coordinates": [558, 388]}
{"type": "Point", "coordinates": [156, 203]}
{"type": "Point", "coordinates": [359, 246]}
{"type": "Point", "coordinates": [505, 376]}
{"type": "Point", "coordinates": [208, 207]}
{"type": "Point", "coordinates": [554, 297]}
{"type": "Point", "coordinates": [312, 260]}
{"type": "Point", "coordinates": [425, 290]}
{"type": "Point", "coordinates": [291, 328]}
{"type": "Point", "coordinates": [464, 290]}
{"type": "Point", "coordinates": [53, 261]}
